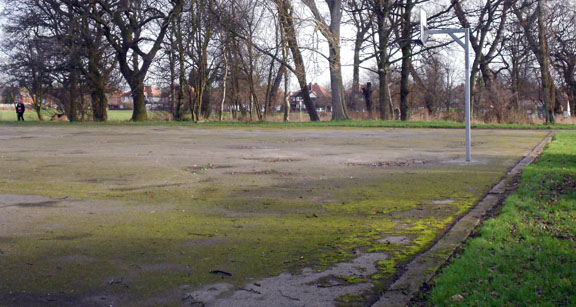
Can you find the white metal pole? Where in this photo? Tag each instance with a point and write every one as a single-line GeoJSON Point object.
{"type": "Point", "coordinates": [467, 107]}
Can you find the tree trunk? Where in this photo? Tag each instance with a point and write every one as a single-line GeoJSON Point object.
{"type": "Point", "coordinates": [285, 9]}
{"type": "Point", "coordinates": [547, 82]}
{"type": "Point", "coordinates": [99, 104]}
{"type": "Point", "coordinates": [98, 89]}
{"type": "Point", "coordinates": [572, 90]}
{"type": "Point", "coordinates": [254, 102]}
{"type": "Point", "coordinates": [359, 39]}
{"type": "Point", "coordinates": [37, 102]}
{"type": "Point", "coordinates": [406, 62]}
{"type": "Point", "coordinates": [384, 88]}
{"type": "Point", "coordinates": [139, 100]}
{"type": "Point", "coordinates": [182, 86]}
{"type": "Point", "coordinates": [275, 86]}
{"type": "Point", "coordinates": [515, 84]}
{"type": "Point", "coordinates": [383, 61]}
{"type": "Point", "coordinates": [73, 94]}
{"type": "Point", "coordinates": [223, 85]}
{"type": "Point", "coordinates": [172, 64]}
{"type": "Point", "coordinates": [286, 97]}
{"type": "Point", "coordinates": [573, 101]}
{"type": "Point", "coordinates": [338, 105]}
{"type": "Point", "coordinates": [82, 104]}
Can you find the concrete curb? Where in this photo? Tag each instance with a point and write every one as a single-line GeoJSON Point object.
{"type": "Point", "coordinates": [425, 266]}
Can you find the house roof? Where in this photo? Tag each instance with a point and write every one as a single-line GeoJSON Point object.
{"type": "Point", "coordinates": [319, 91]}
{"type": "Point", "coordinates": [315, 90]}
{"type": "Point", "coordinates": [150, 91]}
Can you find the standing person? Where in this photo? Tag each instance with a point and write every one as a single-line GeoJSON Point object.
{"type": "Point", "coordinates": [20, 109]}
{"type": "Point", "coordinates": [367, 91]}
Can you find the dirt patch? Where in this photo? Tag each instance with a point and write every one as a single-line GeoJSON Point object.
{"type": "Point", "coordinates": [395, 240]}
{"type": "Point", "coordinates": [443, 202]}
{"type": "Point", "coordinates": [263, 172]}
{"type": "Point", "coordinates": [250, 147]}
{"type": "Point", "coordinates": [473, 144]}
{"type": "Point", "coordinates": [148, 187]}
{"type": "Point", "coordinates": [385, 164]}
{"type": "Point", "coordinates": [43, 204]}
{"type": "Point", "coordinates": [196, 168]}
{"type": "Point", "coordinates": [161, 267]}
{"type": "Point", "coordinates": [309, 288]}
{"type": "Point", "coordinates": [76, 152]}
{"type": "Point", "coordinates": [27, 201]}
{"type": "Point", "coordinates": [67, 237]}
{"type": "Point", "coordinates": [274, 160]}
{"type": "Point", "coordinates": [437, 211]}
{"type": "Point", "coordinates": [201, 242]}
{"type": "Point", "coordinates": [294, 140]}
{"type": "Point", "coordinates": [76, 259]}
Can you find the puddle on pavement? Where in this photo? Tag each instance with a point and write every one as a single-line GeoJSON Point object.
{"type": "Point", "coordinates": [26, 201]}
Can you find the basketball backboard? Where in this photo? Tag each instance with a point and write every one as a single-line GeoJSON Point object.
{"type": "Point", "coordinates": [424, 32]}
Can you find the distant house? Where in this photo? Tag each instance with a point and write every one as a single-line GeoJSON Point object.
{"type": "Point", "coordinates": [155, 99]}
{"type": "Point", "coordinates": [126, 99]}
{"type": "Point", "coordinates": [319, 95]}
{"type": "Point", "coordinates": [566, 109]}
{"type": "Point", "coordinates": [115, 100]}
{"type": "Point", "coordinates": [20, 94]}
{"type": "Point", "coordinates": [565, 104]}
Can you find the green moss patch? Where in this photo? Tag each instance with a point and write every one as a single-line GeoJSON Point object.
{"type": "Point", "coordinates": [350, 298]}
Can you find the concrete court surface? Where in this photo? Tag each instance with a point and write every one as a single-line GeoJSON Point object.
{"type": "Point", "coordinates": [152, 215]}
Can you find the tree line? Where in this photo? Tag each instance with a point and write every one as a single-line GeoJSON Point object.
{"type": "Point", "coordinates": [243, 53]}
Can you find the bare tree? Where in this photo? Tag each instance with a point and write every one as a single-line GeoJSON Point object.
{"type": "Point", "coordinates": [406, 39]}
{"type": "Point", "coordinates": [563, 47]}
{"type": "Point", "coordinates": [528, 12]}
{"type": "Point", "coordinates": [129, 28]}
{"type": "Point", "coordinates": [285, 11]}
{"type": "Point", "coordinates": [487, 22]}
{"type": "Point", "coordinates": [516, 57]}
{"type": "Point", "coordinates": [387, 20]}
{"type": "Point", "coordinates": [360, 17]}
{"type": "Point", "coordinates": [33, 55]}
{"type": "Point", "coordinates": [331, 31]}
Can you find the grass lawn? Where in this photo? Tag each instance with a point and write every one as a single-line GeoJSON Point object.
{"type": "Point", "coordinates": [114, 116]}
{"type": "Point", "coordinates": [122, 117]}
{"type": "Point", "coordinates": [29, 115]}
{"type": "Point", "coordinates": [527, 254]}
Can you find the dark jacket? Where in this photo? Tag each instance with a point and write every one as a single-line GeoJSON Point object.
{"type": "Point", "coordinates": [20, 108]}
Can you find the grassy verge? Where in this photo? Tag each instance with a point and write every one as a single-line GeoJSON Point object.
{"type": "Point", "coordinates": [156, 119]}
{"type": "Point", "coordinates": [114, 116]}
{"type": "Point", "coordinates": [526, 255]}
